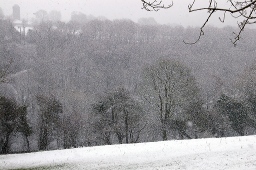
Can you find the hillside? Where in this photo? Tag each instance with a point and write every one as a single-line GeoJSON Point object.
{"type": "Point", "coordinates": [213, 153]}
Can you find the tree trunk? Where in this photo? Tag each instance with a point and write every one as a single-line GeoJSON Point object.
{"type": "Point", "coordinates": [73, 139]}
{"type": "Point", "coordinates": [65, 139]}
{"type": "Point", "coordinates": [126, 128]}
{"type": "Point", "coordinates": [107, 139]}
{"type": "Point", "coordinates": [164, 131]}
{"type": "Point", "coordinates": [43, 139]}
{"type": "Point", "coordinates": [28, 145]}
{"type": "Point", "coordinates": [119, 137]}
{"type": "Point", "coordinates": [164, 134]}
{"type": "Point", "coordinates": [182, 134]}
{"type": "Point", "coordinates": [5, 148]}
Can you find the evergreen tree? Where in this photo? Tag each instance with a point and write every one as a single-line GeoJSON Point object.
{"type": "Point", "coordinates": [51, 109]}
{"type": "Point", "coordinates": [118, 114]}
{"type": "Point", "coordinates": [12, 119]}
{"type": "Point", "coordinates": [235, 111]}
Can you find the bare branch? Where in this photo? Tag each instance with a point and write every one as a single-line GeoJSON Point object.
{"type": "Point", "coordinates": [224, 17]}
{"type": "Point", "coordinates": [242, 26]}
{"type": "Point", "coordinates": [223, 9]}
{"type": "Point", "coordinates": [243, 9]}
{"type": "Point", "coordinates": [240, 8]}
{"type": "Point", "coordinates": [201, 29]}
{"type": "Point", "coordinates": [155, 5]}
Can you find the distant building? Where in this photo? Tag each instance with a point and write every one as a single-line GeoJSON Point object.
{"type": "Point", "coordinates": [16, 12]}
{"type": "Point", "coordinates": [21, 26]}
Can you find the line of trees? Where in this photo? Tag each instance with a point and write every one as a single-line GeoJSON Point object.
{"type": "Point", "coordinates": [114, 82]}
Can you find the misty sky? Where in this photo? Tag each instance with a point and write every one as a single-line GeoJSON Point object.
{"type": "Point", "coordinates": [117, 9]}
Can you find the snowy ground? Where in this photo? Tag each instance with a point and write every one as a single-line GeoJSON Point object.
{"type": "Point", "coordinates": [236, 153]}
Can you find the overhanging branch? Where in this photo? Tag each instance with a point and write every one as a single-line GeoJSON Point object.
{"type": "Point", "coordinates": [246, 10]}
{"type": "Point", "coordinates": [155, 5]}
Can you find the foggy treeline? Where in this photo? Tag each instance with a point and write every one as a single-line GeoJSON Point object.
{"type": "Point", "coordinates": [101, 82]}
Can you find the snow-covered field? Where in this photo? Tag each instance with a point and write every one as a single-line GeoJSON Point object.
{"type": "Point", "coordinates": [235, 153]}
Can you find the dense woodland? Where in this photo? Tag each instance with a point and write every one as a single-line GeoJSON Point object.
{"type": "Point", "coordinates": [101, 82]}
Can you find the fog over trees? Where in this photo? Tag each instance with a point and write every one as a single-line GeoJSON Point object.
{"type": "Point", "coordinates": [93, 81]}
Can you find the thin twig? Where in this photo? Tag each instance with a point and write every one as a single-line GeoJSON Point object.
{"type": "Point", "coordinates": [201, 29]}
{"type": "Point", "coordinates": [155, 5]}
{"type": "Point", "coordinates": [223, 9]}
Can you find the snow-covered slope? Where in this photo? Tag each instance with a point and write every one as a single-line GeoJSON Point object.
{"type": "Point", "coordinates": [235, 153]}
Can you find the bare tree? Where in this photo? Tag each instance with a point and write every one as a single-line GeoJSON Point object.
{"type": "Point", "coordinates": [244, 10]}
{"type": "Point", "coordinates": [171, 90]}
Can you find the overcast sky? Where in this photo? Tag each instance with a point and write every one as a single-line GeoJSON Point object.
{"type": "Point", "coordinates": [116, 9]}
